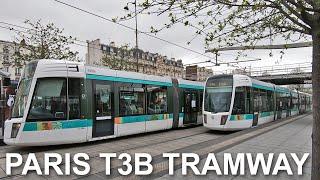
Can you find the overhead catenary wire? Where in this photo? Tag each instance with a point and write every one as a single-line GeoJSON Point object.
{"type": "Point", "coordinates": [82, 41]}
{"type": "Point", "coordinates": [27, 28]}
{"type": "Point", "coordinates": [145, 33]}
{"type": "Point", "coordinates": [131, 28]}
{"type": "Point", "coordinates": [74, 43]}
{"type": "Point", "coordinates": [13, 29]}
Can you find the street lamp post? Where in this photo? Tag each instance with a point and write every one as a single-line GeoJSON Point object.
{"type": "Point", "coordinates": [136, 31]}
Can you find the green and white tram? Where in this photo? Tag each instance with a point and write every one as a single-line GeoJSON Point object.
{"type": "Point", "coordinates": [62, 102]}
{"type": "Point", "coordinates": [235, 102]}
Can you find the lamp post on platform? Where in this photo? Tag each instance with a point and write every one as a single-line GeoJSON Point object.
{"type": "Point", "coordinates": [136, 30]}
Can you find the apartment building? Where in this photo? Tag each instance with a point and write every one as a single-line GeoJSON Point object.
{"type": "Point", "coordinates": [130, 59]}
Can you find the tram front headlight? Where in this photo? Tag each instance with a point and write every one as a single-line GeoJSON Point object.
{"type": "Point", "coordinates": [15, 129]}
{"type": "Point", "coordinates": [224, 119]}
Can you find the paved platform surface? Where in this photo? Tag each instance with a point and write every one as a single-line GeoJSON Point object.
{"type": "Point", "coordinates": [289, 135]}
{"type": "Point", "coordinates": [294, 137]}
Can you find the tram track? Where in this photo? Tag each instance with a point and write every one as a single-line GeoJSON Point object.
{"type": "Point", "coordinates": [168, 140]}
{"type": "Point", "coordinates": [198, 140]}
{"type": "Point", "coordinates": [126, 144]}
{"type": "Point", "coordinates": [144, 140]}
{"type": "Point", "coordinates": [202, 149]}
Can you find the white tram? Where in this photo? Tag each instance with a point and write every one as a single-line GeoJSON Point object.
{"type": "Point", "coordinates": [235, 102]}
{"type": "Point", "coordinates": [61, 102]}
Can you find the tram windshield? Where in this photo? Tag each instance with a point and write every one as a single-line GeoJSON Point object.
{"type": "Point", "coordinates": [218, 94]}
{"type": "Point", "coordinates": [23, 90]}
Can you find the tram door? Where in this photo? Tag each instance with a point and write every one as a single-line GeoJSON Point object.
{"type": "Point", "coordinates": [191, 107]}
{"type": "Point", "coordinates": [256, 106]}
{"type": "Point", "coordinates": [103, 122]}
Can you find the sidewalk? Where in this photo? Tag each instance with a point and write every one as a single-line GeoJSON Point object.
{"type": "Point", "coordinates": [294, 137]}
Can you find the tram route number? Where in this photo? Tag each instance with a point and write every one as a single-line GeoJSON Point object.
{"type": "Point", "coordinates": [141, 163]}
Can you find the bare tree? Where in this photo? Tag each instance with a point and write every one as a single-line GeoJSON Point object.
{"type": "Point", "coordinates": [43, 41]}
{"type": "Point", "coordinates": [227, 23]}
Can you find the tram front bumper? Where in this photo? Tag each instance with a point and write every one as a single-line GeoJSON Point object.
{"type": "Point", "coordinates": [215, 121]}
{"type": "Point", "coordinates": [12, 129]}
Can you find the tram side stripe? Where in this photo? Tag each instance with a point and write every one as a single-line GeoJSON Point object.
{"type": "Point", "coordinates": [78, 123]}
{"type": "Point", "coordinates": [142, 118]}
{"type": "Point", "coordinates": [240, 117]}
{"type": "Point", "coordinates": [55, 125]}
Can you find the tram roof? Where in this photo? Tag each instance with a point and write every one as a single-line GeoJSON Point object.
{"type": "Point", "coordinates": [104, 73]}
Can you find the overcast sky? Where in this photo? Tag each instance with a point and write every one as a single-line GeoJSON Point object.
{"type": "Point", "coordinates": [86, 27]}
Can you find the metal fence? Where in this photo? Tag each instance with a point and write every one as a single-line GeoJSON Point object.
{"type": "Point", "coordinates": [298, 68]}
{"type": "Point", "coordinates": [279, 70]}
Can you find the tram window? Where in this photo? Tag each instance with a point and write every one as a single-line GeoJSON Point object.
{"type": "Point", "coordinates": [256, 100]}
{"type": "Point", "coordinates": [132, 99]}
{"type": "Point", "coordinates": [270, 101]}
{"type": "Point", "coordinates": [239, 106]}
{"type": "Point", "coordinates": [194, 102]}
{"type": "Point", "coordinates": [263, 101]}
{"type": "Point", "coordinates": [157, 99]}
{"type": "Point", "coordinates": [103, 100]}
{"type": "Point", "coordinates": [289, 100]}
{"type": "Point", "coordinates": [242, 101]}
{"type": "Point", "coordinates": [295, 102]}
{"type": "Point", "coordinates": [286, 101]}
{"type": "Point", "coordinates": [249, 105]}
{"type": "Point", "coordinates": [217, 99]}
{"type": "Point", "coordinates": [74, 98]}
{"type": "Point", "coordinates": [49, 100]}
{"type": "Point", "coordinates": [201, 101]}
{"type": "Point", "coordinates": [278, 101]}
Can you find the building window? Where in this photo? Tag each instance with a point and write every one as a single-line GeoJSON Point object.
{"type": "Point", "coordinates": [18, 70]}
{"type": "Point", "coordinates": [132, 99]}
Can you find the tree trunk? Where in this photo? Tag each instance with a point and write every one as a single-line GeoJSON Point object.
{"type": "Point", "coordinates": [316, 104]}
